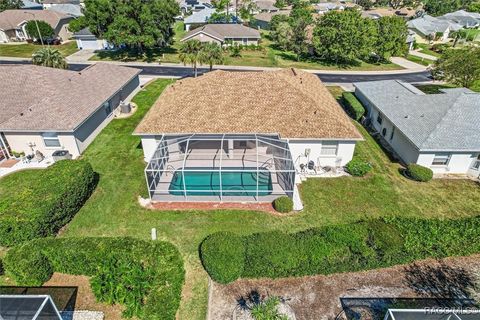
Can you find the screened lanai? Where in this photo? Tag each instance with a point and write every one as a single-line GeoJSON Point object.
{"type": "Point", "coordinates": [220, 167]}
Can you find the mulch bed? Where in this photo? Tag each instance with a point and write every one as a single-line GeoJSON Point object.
{"type": "Point", "coordinates": [321, 297]}
{"type": "Point", "coordinates": [254, 206]}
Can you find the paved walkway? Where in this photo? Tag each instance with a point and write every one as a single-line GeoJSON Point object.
{"type": "Point", "coordinates": [423, 55]}
{"type": "Point", "coordinates": [408, 65]}
{"type": "Point", "coordinates": [81, 56]}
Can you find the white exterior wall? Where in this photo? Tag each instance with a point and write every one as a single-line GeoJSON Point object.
{"type": "Point", "coordinates": [93, 44]}
{"type": "Point", "coordinates": [19, 141]}
{"type": "Point", "coordinates": [297, 148]}
{"type": "Point", "coordinates": [149, 145]}
{"type": "Point", "coordinates": [3, 37]}
{"type": "Point", "coordinates": [459, 163]}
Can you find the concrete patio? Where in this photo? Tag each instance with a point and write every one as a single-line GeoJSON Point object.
{"type": "Point", "coordinates": [14, 165]}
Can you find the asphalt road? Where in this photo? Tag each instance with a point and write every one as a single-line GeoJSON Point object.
{"type": "Point", "coordinates": [325, 77]}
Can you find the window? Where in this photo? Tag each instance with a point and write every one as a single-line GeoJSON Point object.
{"type": "Point", "coordinates": [379, 119]}
{"type": "Point", "coordinates": [329, 148]}
{"type": "Point", "coordinates": [51, 139]}
{"type": "Point", "coordinates": [441, 159]}
{"type": "Point", "coordinates": [108, 108]}
{"type": "Point", "coordinates": [392, 133]}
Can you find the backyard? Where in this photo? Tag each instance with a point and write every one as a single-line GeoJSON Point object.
{"type": "Point", "coordinates": [265, 56]}
{"type": "Point", "coordinates": [26, 50]}
{"type": "Point", "coordinates": [113, 209]}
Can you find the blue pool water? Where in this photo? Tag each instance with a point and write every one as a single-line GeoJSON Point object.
{"type": "Point", "coordinates": [233, 183]}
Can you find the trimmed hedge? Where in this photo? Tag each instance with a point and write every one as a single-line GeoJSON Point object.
{"type": "Point", "coordinates": [283, 204]}
{"type": "Point", "coordinates": [346, 248]}
{"type": "Point", "coordinates": [38, 203]}
{"type": "Point", "coordinates": [157, 263]}
{"type": "Point", "coordinates": [353, 106]}
{"type": "Point", "coordinates": [358, 167]}
{"type": "Point", "coordinates": [419, 173]}
{"type": "Point", "coordinates": [223, 256]}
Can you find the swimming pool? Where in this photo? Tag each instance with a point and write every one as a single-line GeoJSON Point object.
{"type": "Point", "coordinates": [238, 183]}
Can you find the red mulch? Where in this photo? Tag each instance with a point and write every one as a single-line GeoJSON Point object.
{"type": "Point", "coordinates": [8, 163]}
{"type": "Point", "coordinates": [261, 206]}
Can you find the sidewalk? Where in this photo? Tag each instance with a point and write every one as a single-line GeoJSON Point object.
{"type": "Point", "coordinates": [423, 55]}
{"type": "Point", "coordinates": [409, 65]}
{"type": "Point", "coordinates": [81, 56]}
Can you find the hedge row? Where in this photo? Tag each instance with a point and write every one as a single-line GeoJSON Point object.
{"type": "Point", "coordinates": [342, 248]}
{"type": "Point", "coordinates": [37, 203]}
{"type": "Point", "coordinates": [353, 106]}
{"type": "Point", "coordinates": [145, 276]}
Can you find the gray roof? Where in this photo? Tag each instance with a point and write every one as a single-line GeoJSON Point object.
{"type": "Point", "coordinates": [463, 18]}
{"type": "Point", "coordinates": [449, 121]}
{"type": "Point", "coordinates": [85, 33]}
{"type": "Point", "coordinates": [428, 25]}
{"type": "Point", "coordinates": [201, 16]}
{"type": "Point", "coordinates": [27, 4]}
{"type": "Point", "coordinates": [224, 31]}
{"type": "Point", "coordinates": [60, 1]}
{"type": "Point", "coordinates": [46, 99]}
{"type": "Point", "coordinates": [74, 10]}
{"type": "Point", "coordinates": [11, 19]}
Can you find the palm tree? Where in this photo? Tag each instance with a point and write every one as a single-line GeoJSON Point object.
{"type": "Point", "coordinates": [49, 57]}
{"type": "Point", "coordinates": [190, 53]}
{"type": "Point", "coordinates": [211, 53]}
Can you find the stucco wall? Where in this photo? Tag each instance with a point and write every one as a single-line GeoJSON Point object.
{"type": "Point", "coordinates": [62, 29]}
{"type": "Point", "coordinates": [205, 38]}
{"type": "Point", "coordinates": [18, 142]}
{"type": "Point", "coordinates": [297, 148]}
{"type": "Point", "coordinates": [459, 162]}
{"type": "Point", "coordinates": [3, 37]}
{"type": "Point", "coordinates": [149, 144]}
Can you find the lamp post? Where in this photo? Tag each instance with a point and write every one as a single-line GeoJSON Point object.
{"type": "Point", "coordinates": [38, 29]}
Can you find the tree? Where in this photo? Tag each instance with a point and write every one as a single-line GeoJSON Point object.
{"type": "Point", "coordinates": [49, 57]}
{"type": "Point", "coordinates": [474, 7]}
{"type": "Point", "coordinates": [10, 4]}
{"type": "Point", "coordinates": [190, 53]}
{"type": "Point", "coordinates": [365, 4]}
{"type": "Point", "coordinates": [392, 39]}
{"type": "Point", "coordinates": [441, 7]}
{"type": "Point", "coordinates": [277, 19]}
{"type": "Point", "coordinates": [247, 9]}
{"type": "Point", "coordinates": [77, 24]}
{"type": "Point", "coordinates": [280, 4]}
{"type": "Point", "coordinates": [282, 35]}
{"type": "Point", "coordinates": [344, 36]}
{"type": "Point", "coordinates": [300, 19]}
{"type": "Point", "coordinates": [137, 24]}
{"type": "Point", "coordinates": [398, 4]}
{"type": "Point", "coordinates": [211, 53]}
{"type": "Point", "coordinates": [46, 31]}
{"type": "Point", "coordinates": [459, 66]}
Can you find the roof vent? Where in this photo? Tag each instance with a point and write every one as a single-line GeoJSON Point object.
{"type": "Point", "coordinates": [423, 115]}
{"type": "Point", "coordinates": [21, 113]}
{"type": "Point", "coordinates": [407, 116]}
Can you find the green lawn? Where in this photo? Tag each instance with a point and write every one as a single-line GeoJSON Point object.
{"type": "Point", "coordinates": [113, 209]}
{"type": "Point", "coordinates": [422, 61]}
{"type": "Point", "coordinates": [268, 56]}
{"type": "Point", "coordinates": [27, 49]}
{"type": "Point", "coordinates": [425, 48]}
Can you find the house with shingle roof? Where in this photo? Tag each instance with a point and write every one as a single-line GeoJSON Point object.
{"type": "Point", "coordinates": [428, 27]}
{"type": "Point", "coordinates": [464, 18]}
{"type": "Point", "coordinates": [224, 33]}
{"type": "Point", "coordinates": [13, 22]}
{"type": "Point", "coordinates": [438, 131]}
{"type": "Point", "coordinates": [242, 136]}
{"type": "Point", "coordinates": [46, 109]}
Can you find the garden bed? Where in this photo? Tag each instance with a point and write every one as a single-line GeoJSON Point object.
{"type": "Point", "coordinates": [321, 297]}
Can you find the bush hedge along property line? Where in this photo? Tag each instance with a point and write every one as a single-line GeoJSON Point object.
{"type": "Point", "coordinates": [42, 202]}
{"type": "Point", "coordinates": [353, 106]}
{"type": "Point", "coordinates": [419, 173]}
{"type": "Point", "coordinates": [283, 204]}
{"type": "Point", "coordinates": [358, 167]}
{"type": "Point", "coordinates": [341, 248]}
{"type": "Point", "coordinates": [145, 276]}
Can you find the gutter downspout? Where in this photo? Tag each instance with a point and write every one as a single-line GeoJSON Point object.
{"type": "Point", "coordinates": [2, 141]}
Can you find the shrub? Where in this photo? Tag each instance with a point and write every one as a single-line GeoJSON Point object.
{"type": "Point", "coordinates": [358, 167]}
{"type": "Point", "coordinates": [361, 246]}
{"type": "Point", "coordinates": [283, 204]}
{"type": "Point", "coordinates": [223, 256]}
{"type": "Point", "coordinates": [419, 173]}
{"type": "Point", "coordinates": [353, 106]}
{"type": "Point", "coordinates": [151, 289]}
{"type": "Point", "coordinates": [1, 268]}
{"type": "Point", "coordinates": [48, 200]}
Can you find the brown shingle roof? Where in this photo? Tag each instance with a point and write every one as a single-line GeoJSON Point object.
{"type": "Point", "coordinates": [290, 102]}
{"type": "Point", "coordinates": [46, 99]}
{"type": "Point", "coordinates": [10, 19]}
{"type": "Point", "coordinates": [225, 30]}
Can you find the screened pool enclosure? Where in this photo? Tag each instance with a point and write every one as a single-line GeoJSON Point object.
{"type": "Point", "coordinates": [28, 307]}
{"type": "Point", "coordinates": [220, 167]}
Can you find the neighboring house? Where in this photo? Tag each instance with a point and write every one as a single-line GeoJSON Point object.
{"type": "Point", "coordinates": [74, 10]}
{"type": "Point", "coordinates": [410, 40]}
{"type": "Point", "coordinates": [198, 18]}
{"type": "Point", "coordinates": [48, 109]}
{"type": "Point", "coordinates": [31, 5]}
{"type": "Point", "coordinates": [50, 3]}
{"type": "Point", "coordinates": [324, 7]}
{"type": "Point", "coordinates": [439, 131]}
{"type": "Point", "coordinates": [263, 19]}
{"type": "Point", "coordinates": [428, 27]}
{"type": "Point", "coordinates": [88, 41]}
{"type": "Point", "coordinates": [193, 6]}
{"type": "Point", "coordinates": [266, 6]}
{"type": "Point", "coordinates": [246, 133]}
{"type": "Point", "coordinates": [13, 22]}
{"type": "Point", "coordinates": [225, 34]}
{"type": "Point", "coordinates": [463, 18]}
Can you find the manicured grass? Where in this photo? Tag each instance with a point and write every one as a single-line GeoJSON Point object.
{"type": "Point", "coordinates": [422, 61]}
{"type": "Point", "coordinates": [425, 48]}
{"type": "Point", "coordinates": [113, 209]}
{"type": "Point", "coordinates": [433, 88]}
{"type": "Point", "coordinates": [268, 56]}
{"type": "Point", "coordinates": [26, 50]}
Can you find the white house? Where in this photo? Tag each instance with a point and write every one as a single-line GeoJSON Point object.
{"type": "Point", "coordinates": [224, 33]}
{"type": "Point", "coordinates": [428, 27]}
{"type": "Point", "coordinates": [438, 131]}
{"type": "Point", "coordinates": [242, 136]}
{"type": "Point", "coordinates": [46, 109]}
{"type": "Point", "coordinates": [198, 18]}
